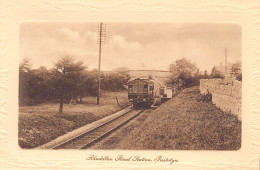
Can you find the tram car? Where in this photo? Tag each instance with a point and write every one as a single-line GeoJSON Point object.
{"type": "Point", "coordinates": [141, 93]}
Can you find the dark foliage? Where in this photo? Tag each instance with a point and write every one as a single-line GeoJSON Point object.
{"type": "Point", "coordinates": [215, 73]}
{"type": "Point", "coordinates": [114, 81]}
{"type": "Point", "coordinates": [207, 98]}
{"type": "Point", "coordinates": [239, 77]}
{"type": "Point", "coordinates": [67, 80]}
{"type": "Point", "coordinates": [184, 74]}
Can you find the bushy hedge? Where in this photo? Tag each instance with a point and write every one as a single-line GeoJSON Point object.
{"type": "Point", "coordinates": [41, 85]}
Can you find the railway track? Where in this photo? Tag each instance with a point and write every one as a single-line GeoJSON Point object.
{"type": "Point", "coordinates": [91, 137]}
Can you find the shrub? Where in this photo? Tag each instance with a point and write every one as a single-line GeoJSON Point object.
{"type": "Point", "coordinates": [207, 98]}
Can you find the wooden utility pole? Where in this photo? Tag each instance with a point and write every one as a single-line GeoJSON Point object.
{"type": "Point", "coordinates": [226, 61]}
{"type": "Point", "coordinates": [101, 40]}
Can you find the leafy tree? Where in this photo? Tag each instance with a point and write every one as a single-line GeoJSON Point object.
{"type": "Point", "coordinates": [183, 73]}
{"type": "Point", "coordinates": [235, 71]}
{"type": "Point", "coordinates": [24, 76]}
{"type": "Point", "coordinates": [34, 84]}
{"type": "Point", "coordinates": [216, 73]}
{"type": "Point", "coordinates": [123, 73]}
{"type": "Point", "coordinates": [25, 65]}
{"type": "Point", "coordinates": [239, 77]}
{"type": "Point", "coordinates": [87, 84]}
{"type": "Point", "coordinates": [114, 81]}
{"type": "Point", "coordinates": [67, 71]}
{"type": "Point", "coordinates": [68, 79]}
{"type": "Point", "coordinates": [38, 85]}
{"type": "Point", "coordinates": [206, 74]}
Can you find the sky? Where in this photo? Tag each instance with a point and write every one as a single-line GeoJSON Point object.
{"type": "Point", "coordinates": [137, 46]}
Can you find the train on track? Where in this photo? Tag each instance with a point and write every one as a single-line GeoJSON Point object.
{"type": "Point", "coordinates": [142, 92]}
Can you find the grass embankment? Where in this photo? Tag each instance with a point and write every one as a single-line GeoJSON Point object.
{"type": "Point", "coordinates": [183, 123]}
{"type": "Point", "coordinates": [42, 123]}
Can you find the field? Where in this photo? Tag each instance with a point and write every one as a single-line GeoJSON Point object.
{"type": "Point", "coordinates": [184, 123]}
{"type": "Point", "coordinates": [42, 123]}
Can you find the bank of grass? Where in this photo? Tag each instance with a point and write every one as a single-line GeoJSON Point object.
{"type": "Point", "coordinates": [183, 123]}
{"type": "Point", "coordinates": [42, 123]}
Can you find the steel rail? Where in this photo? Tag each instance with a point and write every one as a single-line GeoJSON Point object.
{"type": "Point", "coordinates": [110, 131]}
{"type": "Point", "coordinates": [100, 136]}
{"type": "Point", "coordinates": [103, 124]}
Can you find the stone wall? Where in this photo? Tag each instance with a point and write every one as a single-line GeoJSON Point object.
{"type": "Point", "coordinates": [226, 94]}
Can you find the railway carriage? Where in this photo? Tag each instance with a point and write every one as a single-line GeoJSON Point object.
{"type": "Point", "coordinates": [141, 93]}
{"type": "Point", "coordinates": [166, 93]}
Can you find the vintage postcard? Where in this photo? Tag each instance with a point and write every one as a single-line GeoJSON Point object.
{"type": "Point", "coordinates": [94, 86]}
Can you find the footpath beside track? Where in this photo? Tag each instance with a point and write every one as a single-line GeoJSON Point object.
{"type": "Point", "coordinates": [92, 132]}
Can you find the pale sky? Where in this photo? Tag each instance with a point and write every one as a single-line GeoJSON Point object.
{"type": "Point", "coordinates": [146, 46]}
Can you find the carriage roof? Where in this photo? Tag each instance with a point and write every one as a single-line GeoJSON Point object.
{"type": "Point", "coordinates": [141, 80]}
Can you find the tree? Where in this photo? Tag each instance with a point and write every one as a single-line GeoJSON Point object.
{"type": "Point", "coordinates": [239, 77]}
{"type": "Point", "coordinates": [85, 84]}
{"type": "Point", "coordinates": [25, 65]}
{"type": "Point", "coordinates": [235, 71]}
{"type": "Point", "coordinates": [38, 89]}
{"type": "Point", "coordinates": [182, 73]}
{"type": "Point", "coordinates": [34, 84]}
{"type": "Point", "coordinates": [123, 73]}
{"type": "Point", "coordinates": [114, 81]}
{"type": "Point", "coordinates": [216, 73]}
{"type": "Point", "coordinates": [206, 74]}
{"type": "Point", "coordinates": [67, 71]}
{"type": "Point", "coordinates": [24, 76]}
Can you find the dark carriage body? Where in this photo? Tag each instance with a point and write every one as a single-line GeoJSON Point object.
{"type": "Point", "coordinates": [141, 93]}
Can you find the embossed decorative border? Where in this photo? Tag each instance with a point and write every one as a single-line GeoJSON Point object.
{"type": "Point", "coordinates": [251, 8]}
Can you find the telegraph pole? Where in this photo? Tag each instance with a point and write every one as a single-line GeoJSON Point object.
{"type": "Point", "coordinates": [101, 40]}
{"type": "Point", "coordinates": [226, 61]}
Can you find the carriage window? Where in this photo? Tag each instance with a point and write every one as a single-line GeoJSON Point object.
{"type": "Point", "coordinates": [145, 86]}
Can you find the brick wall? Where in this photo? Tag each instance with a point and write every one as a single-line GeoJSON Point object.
{"type": "Point", "coordinates": [226, 94]}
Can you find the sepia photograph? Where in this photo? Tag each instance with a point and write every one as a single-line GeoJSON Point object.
{"type": "Point", "coordinates": [130, 86]}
